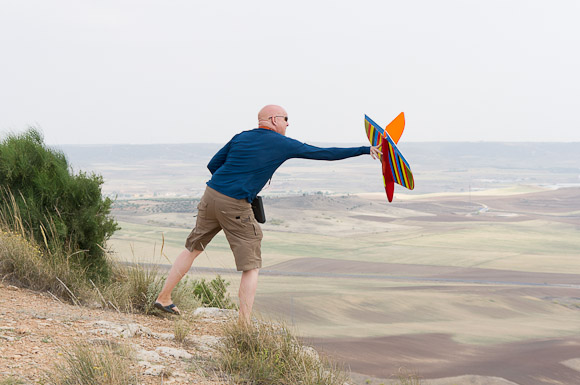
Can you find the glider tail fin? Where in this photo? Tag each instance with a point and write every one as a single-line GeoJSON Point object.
{"type": "Point", "coordinates": [396, 127]}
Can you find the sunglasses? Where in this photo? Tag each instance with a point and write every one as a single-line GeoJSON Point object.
{"type": "Point", "coordinates": [280, 116]}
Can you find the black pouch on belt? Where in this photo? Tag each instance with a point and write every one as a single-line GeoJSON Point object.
{"type": "Point", "coordinates": [258, 208]}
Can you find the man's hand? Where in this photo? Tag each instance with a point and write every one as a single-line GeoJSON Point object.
{"type": "Point", "coordinates": [375, 151]}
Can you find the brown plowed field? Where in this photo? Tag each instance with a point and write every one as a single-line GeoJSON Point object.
{"type": "Point", "coordinates": [438, 356]}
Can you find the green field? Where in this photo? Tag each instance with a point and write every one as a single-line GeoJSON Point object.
{"type": "Point", "coordinates": [535, 245]}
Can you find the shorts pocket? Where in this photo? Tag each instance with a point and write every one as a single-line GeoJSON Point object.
{"type": "Point", "coordinates": [257, 230]}
{"type": "Point", "coordinates": [241, 223]}
{"type": "Point", "coordinates": [201, 209]}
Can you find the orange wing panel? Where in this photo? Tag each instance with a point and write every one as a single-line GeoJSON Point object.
{"type": "Point", "coordinates": [396, 127]}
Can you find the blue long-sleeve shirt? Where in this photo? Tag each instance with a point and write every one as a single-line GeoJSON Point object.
{"type": "Point", "coordinates": [245, 164]}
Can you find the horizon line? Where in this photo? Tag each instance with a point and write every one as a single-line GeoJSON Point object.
{"type": "Point", "coordinates": [317, 142]}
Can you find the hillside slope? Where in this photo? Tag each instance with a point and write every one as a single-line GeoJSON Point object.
{"type": "Point", "coordinates": [36, 329]}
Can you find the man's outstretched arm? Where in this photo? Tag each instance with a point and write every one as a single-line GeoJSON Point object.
{"type": "Point", "coordinates": [307, 151]}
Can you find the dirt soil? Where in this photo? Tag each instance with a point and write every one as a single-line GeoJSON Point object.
{"type": "Point", "coordinates": [35, 330]}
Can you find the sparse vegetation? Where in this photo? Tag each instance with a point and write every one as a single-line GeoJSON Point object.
{"type": "Point", "coordinates": [106, 364]}
{"type": "Point", "coordinates": [181, 330]}
{"type": "Point", "coordinates": [408, 377]}
{"type": "Point", "coordinates": [276, 221]}
{"type": "Point", "coordinates": [134, 288]}
{"type": "Point", "coordinates": [46, 340]}
{"type": "Point", "coordinates": [167, 205]}
{"type": "Point", "coordinates": [266, 353]}
{"type": "Point", "coordinates": [11, 381]}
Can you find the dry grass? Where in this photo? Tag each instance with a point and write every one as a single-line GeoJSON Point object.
{"type": "Point", "coordinates": [89, 364]}
{"type": "Point", "coordinates": [408, 377]}
{"type": "Point", "coordinates": [181, 329]}
{"type": "Point", "coordinates": [266, 353]}
{"type": "Point", "coordinates": [11, 381]}
{"type": "Point", "coordinates": [25, 264]}
{"type": "Point", "coordinates": [133, 288]}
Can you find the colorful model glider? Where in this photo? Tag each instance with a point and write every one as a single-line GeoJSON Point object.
{"type": "Point", "coordinates": [395, 167]}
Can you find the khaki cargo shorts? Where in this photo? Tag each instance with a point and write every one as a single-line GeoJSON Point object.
{"type": "Point", "coordinates": [235, 217]}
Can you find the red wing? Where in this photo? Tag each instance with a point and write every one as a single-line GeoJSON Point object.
{"type": "Point", "coordinates": [388, 178]}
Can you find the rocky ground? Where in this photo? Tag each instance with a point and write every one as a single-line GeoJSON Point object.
{"type": "Point", "coordinates": [36, 329]}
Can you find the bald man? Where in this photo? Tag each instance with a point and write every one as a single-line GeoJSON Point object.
{"type": "Point", "coordinates": [239, 172]}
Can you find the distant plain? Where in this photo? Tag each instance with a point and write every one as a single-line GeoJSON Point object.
{"type": "Point", "coordinates": [482, 258]}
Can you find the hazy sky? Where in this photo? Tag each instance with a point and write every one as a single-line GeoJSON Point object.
{"type": "Point", "coordinates": [178, 71]}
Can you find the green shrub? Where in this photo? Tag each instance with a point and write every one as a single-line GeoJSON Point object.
{"type": "Point", "coordinates": [268, 354]}
{"type": "Point", "coordinates": [52, 200]}
{"type": "Point", "coordinates": [213, 293]}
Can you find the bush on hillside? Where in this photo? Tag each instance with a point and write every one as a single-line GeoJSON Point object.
{"type": "Point", "coordinates": [213, 293]}
{"type": "Point", "coordinates": [60, 210]}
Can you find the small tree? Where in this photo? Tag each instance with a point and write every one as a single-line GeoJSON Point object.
{"type": "Point", "coordinates": [63, 211]}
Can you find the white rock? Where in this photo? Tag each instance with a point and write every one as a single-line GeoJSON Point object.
{"type": "Point", "coordinates": [105, 324]}
{"type": "Point", "coordinates": [179, 374]}
{"type": "Point", "coordinates": [127, 330]}
{"type": "Point", "coordinates": [148, 355]}
{"type": "Point", "coordinates": [214, 312]}
{"type": "Point", "coordinates": [164, 336]}
{"type": "Point", "coordinates": [172, 352]}
{"type": "Point", "coordinates": [154, 370]}
{"type": "Point", "coordinates": [205, 343]}
{"type": "Point", "coordinates": [132, 330]}
{"type": "Point", "coordinates": [105, 332]}
{"type": "Point", "coordinates": [310, 352]}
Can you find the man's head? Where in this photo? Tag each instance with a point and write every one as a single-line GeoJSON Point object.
{"type": "Point", "coordinates": [273, 117]}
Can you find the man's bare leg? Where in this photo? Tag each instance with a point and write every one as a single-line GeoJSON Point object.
{"type": "Point", "coordinates": [247, 292]}
{"type": "Point", "coordinates": [180, 267]}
